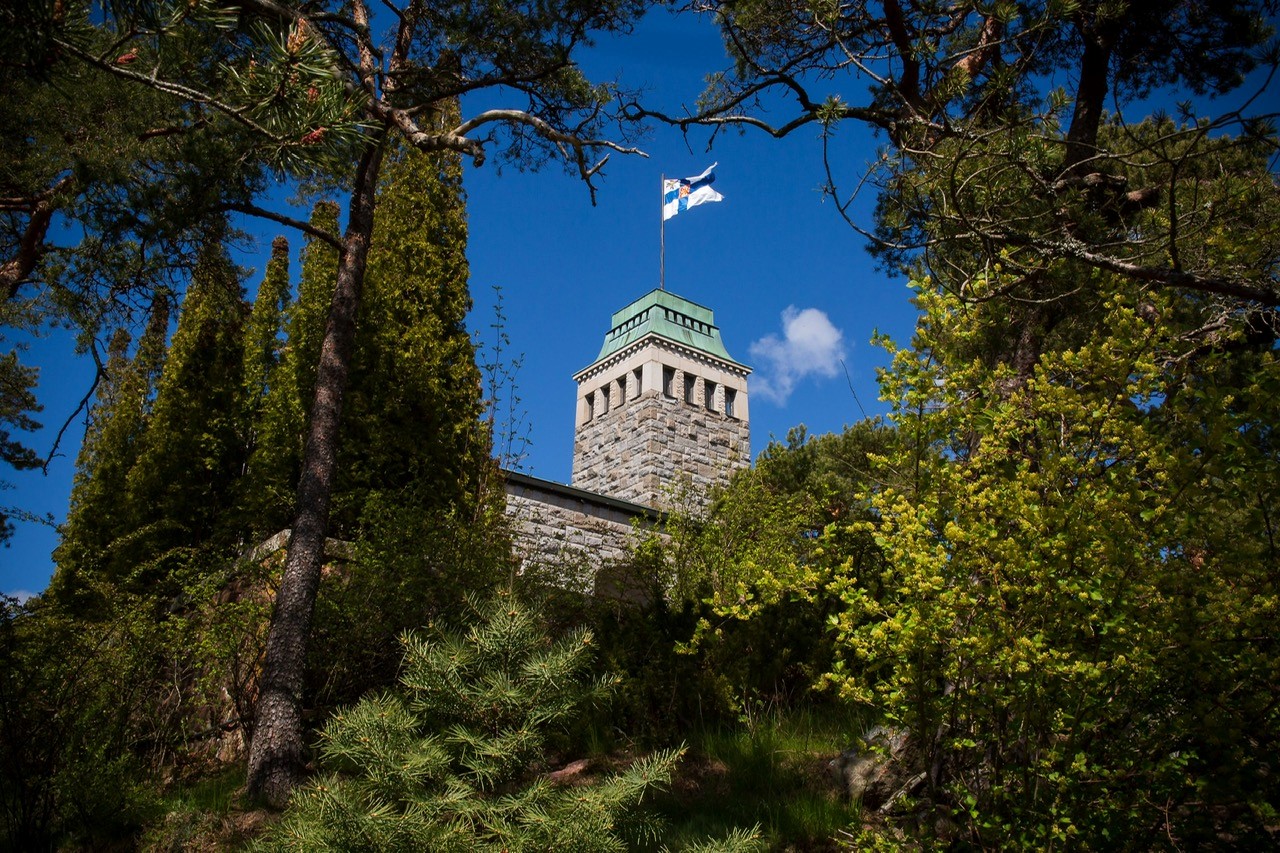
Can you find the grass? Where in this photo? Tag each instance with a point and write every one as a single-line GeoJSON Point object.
{"type": "Point", "coordinates": [213, 794]}
{"type": "Point", "coordinates": [204, 814]}
{"type": "Point", "coordinates": [770, 770]}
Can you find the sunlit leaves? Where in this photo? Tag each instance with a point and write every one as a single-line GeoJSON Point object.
{"type": "Point", "coordinates": [1052, 610]}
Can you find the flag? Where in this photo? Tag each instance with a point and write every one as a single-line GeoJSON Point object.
{"type": "Point", "coordinates": [680, 195]}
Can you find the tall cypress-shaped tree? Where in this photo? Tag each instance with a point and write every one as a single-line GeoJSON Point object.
{"type": "Point", "coordinates": [308, 315]}
{"type": "Point", "coordinates": [411, 426]}
{"type": "Point", "coordinates": [266, 395]}
{"type": "Point", "coordinates": [413, 447]}
{"type": "Point", "coordinates": [180, 488]}
{"type": "Point", "coordinates": [277, 455]}
{"type": "Point", "coordinates": [262, 331]}
{"type": "Point", "coordinates": [97, 516]}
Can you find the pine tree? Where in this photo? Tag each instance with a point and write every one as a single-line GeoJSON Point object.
{"type": "Point", "coordinates": [452, 761]}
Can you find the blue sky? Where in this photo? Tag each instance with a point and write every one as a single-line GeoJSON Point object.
{"type": "Point", "coordinates": [771, 249]}
{"type": "Point", "coordinates": [794, 292]}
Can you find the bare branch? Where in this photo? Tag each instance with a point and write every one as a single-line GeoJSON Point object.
{"type": "Point", "coordinates": [458, 138]}
{"type": "Point", "coordinates": [1161, 276]}
{"type": "Point", "coordinates": [83, 406]}
{"type": "Point", "coordinates": [543, 127]}
{"type": "Point", "coordinates": [305, 227]}
{"type": "Point", "coordinates": [175, 130]}
{"type": "Point", "coordinates": [465, 85]}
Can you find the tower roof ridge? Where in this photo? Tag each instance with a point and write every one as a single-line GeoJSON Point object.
{"type": "Point", "coordinates": [663, 313]}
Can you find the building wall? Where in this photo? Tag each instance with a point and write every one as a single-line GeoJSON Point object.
{"type": "Point", "coordinates": [661, 410]}
{"type": "Point", "coordinates": [658, 443]}
{"type": "Point", "coordinates": [572, 533]}
{"type": "Point", "coordinates": [658, 416]}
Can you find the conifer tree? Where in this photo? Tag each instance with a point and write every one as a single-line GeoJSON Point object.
{"type": "Point", "coordinates": [412, 419]}
{"type": "Point", "coordinates": [97, 516]}
{"type": "Point", "coordinates": [413, 447]}
{"type": "Point", "coordinates": [17, 402]}
{"type": "Point", "coordinates": [277, 453]}
{"type": "Point", "coordinates": [321, 94]}
{"type": "Point", "coordinates": [308, 315]}
{"type": "Point", "coordinates": [452, 762]}
{"type": "Point", "coordinates": [192, 452]}
{"type": "Point", "coordinates": [266, 400]}
{"type": "Point", "coordinates": [262, 331]}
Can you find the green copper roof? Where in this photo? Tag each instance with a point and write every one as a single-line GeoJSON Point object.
{"type": "Point", "coordinates": [662, 313]}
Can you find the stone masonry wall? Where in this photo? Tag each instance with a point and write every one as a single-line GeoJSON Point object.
{"type": "Point", "coordinates": [570, 533]}
{"type": "Point", "coordinates": [640, 448]}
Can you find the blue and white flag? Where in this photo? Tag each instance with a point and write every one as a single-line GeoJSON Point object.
{"type": "Point", "coordinates": [678, 195]}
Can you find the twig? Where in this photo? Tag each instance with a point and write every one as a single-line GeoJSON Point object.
{"type": "Point", "coordinates": [84, 403]}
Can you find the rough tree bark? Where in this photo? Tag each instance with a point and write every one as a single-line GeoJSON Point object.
{"type": "Point", "coordinates": [31, 247]}
{"type": "Point", "coordinates": [277, 753]}
{"type": "Point", "coordinates": [1091, 96]}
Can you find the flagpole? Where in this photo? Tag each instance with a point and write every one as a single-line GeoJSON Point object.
{"type": "Point", "coordinates": [662, 233]}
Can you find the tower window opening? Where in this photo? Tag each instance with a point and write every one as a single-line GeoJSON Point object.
{"type": "Point", "coordinates": [591, 405]}
{"type": "Point", "coordinates": [622, 390]}
{"type": "Point", "coordinates": [709, 395]}
{"type": "Point", "coordinates": [690, 385]}
{"type": "Point", "coordinates": [669, 382]}
{"type": "Point", "coordinates": [604, 400]}
{"type": "Point", "coordinates": [636, 377]}
{"type": "Point", "coordinates": [730, 397]}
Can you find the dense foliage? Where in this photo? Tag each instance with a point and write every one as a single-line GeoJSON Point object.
{"type": "Point", "coordinates": [1070, 617]}
{"type": "Point", "coordinates": [1056, 579]}
{"type": "Point", "coordinates": [1051, 571]}
{"type": "Point", "coordinates": [313, 94]}
{"type": "Point", "coordinates": [187, 466]}
{"type": "Point", "coordinates": [453, 761]}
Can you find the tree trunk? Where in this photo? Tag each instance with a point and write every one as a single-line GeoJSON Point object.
{"type": "Point", "coordinates": [31, 246]}
{"type": "Point", "coordinates": [1091, 97]}
{"type": "Point", "coordinates": [277, 754]}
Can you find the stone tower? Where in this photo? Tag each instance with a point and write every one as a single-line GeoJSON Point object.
{"type": "Point", "coordinates": [662, 401]}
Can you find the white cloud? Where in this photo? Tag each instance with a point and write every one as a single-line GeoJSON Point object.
{"type": "Point", "coordinates": [810, 346]}
{"type": "Point", "coordinates": [22, 595]}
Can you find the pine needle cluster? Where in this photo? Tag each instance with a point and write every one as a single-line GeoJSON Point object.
{"type": "Point", "coordinates": [454, 760]}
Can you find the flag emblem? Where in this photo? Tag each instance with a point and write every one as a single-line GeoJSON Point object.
{"type": "Point", "coordinates": [680, 194]}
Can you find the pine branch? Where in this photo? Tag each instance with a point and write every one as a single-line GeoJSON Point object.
{"type": "Point", "coordinates": [305, 227]}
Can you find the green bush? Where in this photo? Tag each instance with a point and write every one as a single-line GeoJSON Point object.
{"type": "Point", "coordinates": [454, 760]}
